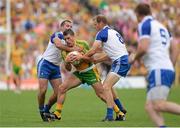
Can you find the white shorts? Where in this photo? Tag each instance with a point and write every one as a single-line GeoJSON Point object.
{"type": "Point", "coordinates": [158, 93]}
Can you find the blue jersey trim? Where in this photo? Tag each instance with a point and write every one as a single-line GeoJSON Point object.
{"type": "Point", "coordinates": [146, 28]}
{"type": "Point", "coordinates": [56, 34]}
{"type": "Point", "coordinates": [103, 35]}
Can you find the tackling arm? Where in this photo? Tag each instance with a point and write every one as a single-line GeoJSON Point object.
{"type": "Point", "coordinates": [102, 57]}
{"type": "Point", "coordinates": [174, 51]}
{"type": "Point", "coordinates": [59, 44]}
{"type": "Point", "coordinates": [143, 46]}
{"type": "Point", "coordinates": [94, 49]}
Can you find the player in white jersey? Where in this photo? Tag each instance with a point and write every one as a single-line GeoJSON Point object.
{"type": "Point", "coordinates": [154, 44]}
{"type": "Point", "coordinates": [48, 68]}
{"type": "Point", "coordinates": [113, 44]}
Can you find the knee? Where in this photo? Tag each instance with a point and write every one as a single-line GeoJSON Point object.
{"type": "Point", "coordinates": [159, 106]}
{"type": "Point", "coordinates": [55, 93]}
{"type": "Point", "coordinates": [106, 87]}
{"type": "Point", "coordinates": [100, 94]}
{"type": "Point", "coordinates": [62, 89]}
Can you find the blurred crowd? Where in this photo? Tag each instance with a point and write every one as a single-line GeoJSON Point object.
{"type": "Point", "coordinates": [33, 21]}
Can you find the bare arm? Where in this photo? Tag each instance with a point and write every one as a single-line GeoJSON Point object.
{"type": "Point", "coordinates": [143, 46]}
{"type": "Point", "coordinates": [174, 51]}
{"type": "Point", "coordinates": [59, 44]}
{"type": "Point", "coordinates": [101, 58]}
{"type": "Point", "coordinates": [94, 48]}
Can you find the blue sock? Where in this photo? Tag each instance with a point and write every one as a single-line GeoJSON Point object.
{"type": "Point", "coordinates": [118, 103]}
{"type": "Point", "coordinates": [46, 108]}
{"type": "Point", "coordinates": [163, 126]}
{"type": "Point", "coordinates": [109, 113]}
{"type": "Point", "coordinates": [41, 108]}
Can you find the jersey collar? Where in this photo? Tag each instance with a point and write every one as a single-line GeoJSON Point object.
{"type": "Point", "coordinates": [146, 18]}
{"type": "Point", "coordinates": [106, 26]}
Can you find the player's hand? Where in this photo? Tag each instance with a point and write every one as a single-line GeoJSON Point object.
{"type": "Point", "coordinates": [77, 57]}
{"type": "Point", "coordinates": [70, 58]}
{"type": "Point", "coordinates": [95, 61]}
{"type": "Point", "coordinates": [132, 58]}
{"type": "Point", "coordinates": [76, 48]}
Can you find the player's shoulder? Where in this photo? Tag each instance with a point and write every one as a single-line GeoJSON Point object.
{"type": "Point", "coordinates": [103, 32]}
{"type": "Point", "coordinates": [56, 34]}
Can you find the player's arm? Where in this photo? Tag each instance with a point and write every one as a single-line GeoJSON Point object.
{"type": "Point", "coordinates": [88, 56]}
{"type": "Point", "coordinates": [89, 52]}
{"type": "Point", "coordinates": [174, 51]}
{"type": "Point", "coordinates": [144, 32]}
{"type": "Point", "coordinates": [96, 45]}
{"type": "Point", "coordinates": [103, 57]}
{"type": "Point", "coordinates": [143, 46]}
{"type": "Point", "coordinates": [99, 39]}
{"type": "Point", "coordinates": [76, 57]}
{"type": "Point", "coordinates": [59, 44]}
{"type": "Point", "coordinates": [58, 40]}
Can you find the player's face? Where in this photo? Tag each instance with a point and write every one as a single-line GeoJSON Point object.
{"type": "Point", "coordinates": [96, 25]}
{"type": "Point", "coordinates": [138, 17]}
{"type": "Point", "coordinates": [67, 25]}
{"type": "Point", "coordinates": [69, 40]}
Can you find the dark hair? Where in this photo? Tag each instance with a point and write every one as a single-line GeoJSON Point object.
{"type": "Point", "coordinates": [143, 9]}
{"type": "Point", "coordinates": [68, 32]}
{"type": "Point", "coordinates": [64, 21]}
{"type": "Point", "coordinates": [100, 18]}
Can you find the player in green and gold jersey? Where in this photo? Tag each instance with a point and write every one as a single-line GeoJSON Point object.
{"type": "Point", "coordinates": [85, 72]}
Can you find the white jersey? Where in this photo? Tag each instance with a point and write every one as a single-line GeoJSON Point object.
{"type": "Point", "coordinates": [157, 56]}
{"type": "Point", "coordinates": [52, 53]}
{"type": "Point", "coordinates": [113, 43]}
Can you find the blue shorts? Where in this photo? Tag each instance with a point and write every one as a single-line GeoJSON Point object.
{"type": "Point", "coordinates": [121, 66]}
{"type": "Point", "coordinates": [160, 77]}
{"type": "Point", "coordinates": [48, 70]}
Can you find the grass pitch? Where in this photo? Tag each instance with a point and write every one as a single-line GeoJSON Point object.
{"type": "Point", "coordinates": [81, 109]}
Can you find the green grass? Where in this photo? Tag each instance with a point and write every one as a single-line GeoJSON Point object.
{"type": "Point", "coordinates": [82, 109]}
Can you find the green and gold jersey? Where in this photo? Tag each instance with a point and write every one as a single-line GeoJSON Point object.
{"type": "Point", "coordinates": [82, 65]}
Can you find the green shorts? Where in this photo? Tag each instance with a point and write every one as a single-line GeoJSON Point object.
{"type": "Point", "coordinates": [90, 77]}
{"type": "Point", "coordinates": [16, 69]}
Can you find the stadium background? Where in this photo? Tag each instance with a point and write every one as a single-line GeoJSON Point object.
{"type": "Point", "coordinates": [33, 21]}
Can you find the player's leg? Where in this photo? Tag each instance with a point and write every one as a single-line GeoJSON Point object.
{"type": "Point", "coordinates": [117, 101]}
{"type": "Point", "coordinates": [160, 82]}
{"type": "Point", "coordinates": [167, 106]}
{"type": "Point", "coordinates": [44, 71]}
{"type": "Point", "coordinates": [119, 68]}
{"type": "Point", "coordinates": [16, 78]}
{"type": "Point", "coordinates": [98, 88]}
{"type": "Point", "coordinates": [53, 98]}
{"type": "Point", "coordinates": [161, 104]}
{"type": "Point", "coordinates": [43, 83]}
{"type": "Point", "coordinates": [70, 82]}
{"type": "Point", "coordinates": [105, 68]}
{"type": "Point", "coordinates": [108, 83]}
{"type": "Point", "coordinates": [155, 116]}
